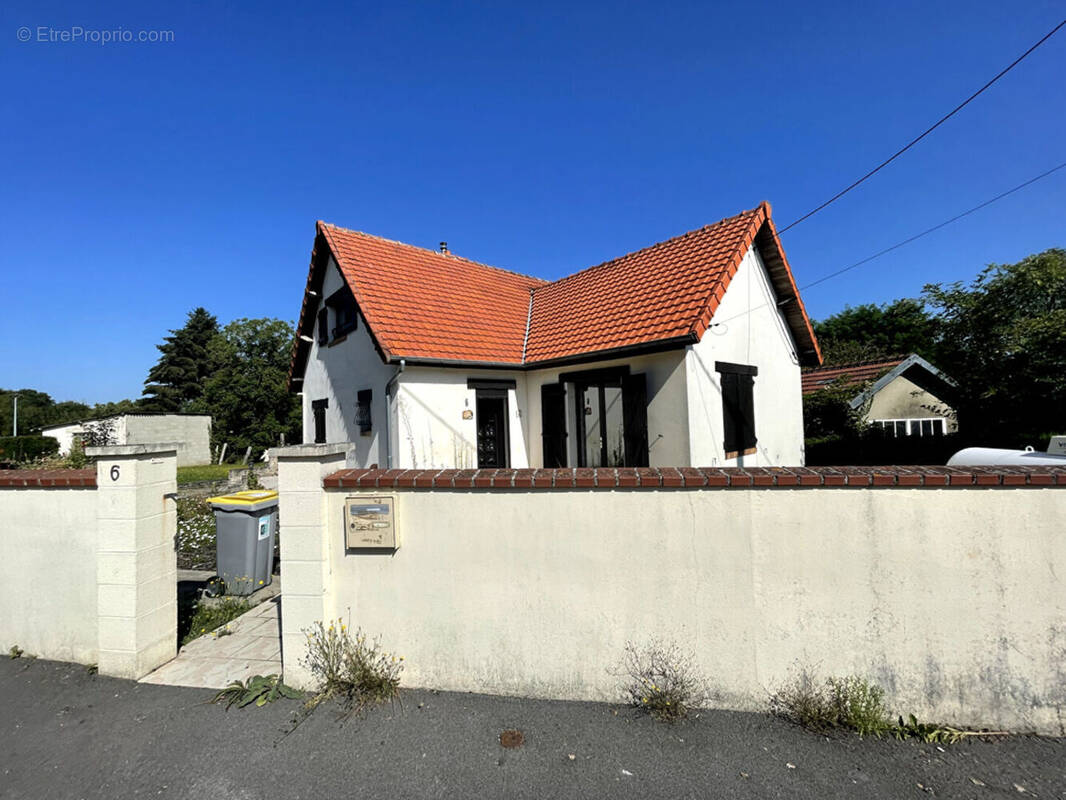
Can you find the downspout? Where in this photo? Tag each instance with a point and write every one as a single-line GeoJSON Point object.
{"type": "Point", "coordinates": [388, 413]}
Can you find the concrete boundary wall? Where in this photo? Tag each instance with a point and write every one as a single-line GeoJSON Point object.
{"type": "Point", "coordinates": [89, 558]}
{"type": "Point", "coordinates": [946, 591]}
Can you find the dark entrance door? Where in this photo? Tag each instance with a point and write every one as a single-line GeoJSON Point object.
{"type": "Point", "coordinates": [492, 450]}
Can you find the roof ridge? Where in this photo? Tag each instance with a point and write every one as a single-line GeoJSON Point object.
{"type": "Point", "coordinates": [651, 247]}
{"type": "Point", "coordinates": [431, 252]}
{"type": "Point", "coordinates": [896, 359]}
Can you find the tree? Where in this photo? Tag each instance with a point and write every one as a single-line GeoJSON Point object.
{"type": "Point", "coordinates": [247, 392]}
{"type": "Point", "coordinates": [872, 332]}
{"type": "Point", "coordinates": [178, 377]}
{"type": "Point", "coordinates": [828, 412]}
{"type": "Point", "coordinates": [1003, 339]}
{"type": "Point", "coordinates": [36, 409]}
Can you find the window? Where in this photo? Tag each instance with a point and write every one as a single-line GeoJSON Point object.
{"type": "Point", "coordinates": [611, 425]}
{"type": "Point", "coordinates": [738, 408]}
{"type": "Point", "coordinates": [896, 428]}
{"type": "Point", "coordinates": [345, 312]}
{"type": "Point", "coordinates": [318, 410]}
{"type": "Point", "coordinates": [362, 410]}
{"type": "Point", "coordinates": [323, 325]}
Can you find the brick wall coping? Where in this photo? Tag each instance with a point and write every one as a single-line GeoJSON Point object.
{"type": "Point", "coordinates": [47, 478]}
{"type": "Point", "coordinates": [696, 478]}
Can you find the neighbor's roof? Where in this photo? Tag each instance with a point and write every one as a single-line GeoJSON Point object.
{"type": "Point", "coordinates": [847, 374]}
{"type": "Point", "coordinates": [425, 306]}
{"type": "Point", "coordinates": [873, 376]}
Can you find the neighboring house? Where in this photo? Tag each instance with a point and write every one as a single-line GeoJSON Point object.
{"type": "Point", "coordinates": [687, 352]}
{"type": "Point", "coordinates": [904, 396]}
{"type": "Point", "coordinates": [192, 433]}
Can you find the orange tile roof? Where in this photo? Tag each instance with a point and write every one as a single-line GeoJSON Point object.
{"type": "Point", "coordinates": [423, 305]}
{"type": "Point", "coordinates": [666, 291]}
{"type": "Point", "coordinates": [848, 374]}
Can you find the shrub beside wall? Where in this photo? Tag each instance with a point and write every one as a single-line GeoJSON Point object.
{"type": "Point", "coordinates": [27, 448]}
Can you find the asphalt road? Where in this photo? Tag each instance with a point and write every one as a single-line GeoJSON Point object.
{"type": "Point", "coordinates": [67, 734]}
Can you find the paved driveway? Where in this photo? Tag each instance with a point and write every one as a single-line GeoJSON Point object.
{"type": "Point", "coordinates": [67, 734]}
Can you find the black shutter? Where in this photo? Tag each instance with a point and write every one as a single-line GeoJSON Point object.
{"type": "Point", "coordinates": [635, 419]}
{"type": "Point", "coordinates": [731, 412]}
{"type": "Point", "coordinates": [362, 410]}
{"type": "Point", "coordinates": [553, 424]}
{"type": "Point", "coordinates": [318, 410]}
{"type": "Point", "coordinates": [746, 402]}
{"type": "Point", "coordinates": [323, 326]}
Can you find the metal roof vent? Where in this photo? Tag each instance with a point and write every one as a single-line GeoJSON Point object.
{"type": "Point", "coordinates": [444, 248]}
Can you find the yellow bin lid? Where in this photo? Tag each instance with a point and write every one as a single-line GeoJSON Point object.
{"type": "Point", "coordinates": [249, 497]}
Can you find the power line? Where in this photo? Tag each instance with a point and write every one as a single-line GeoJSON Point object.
{"type": "Point", "coordinates": [926, 132]}
{"type": "Point", "coordinates": [927, 231]}
{"type": "Point", "coordinates": [906, 241]}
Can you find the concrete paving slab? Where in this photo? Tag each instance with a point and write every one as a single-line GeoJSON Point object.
{"type": "Point", "coordinates": [213, 661]}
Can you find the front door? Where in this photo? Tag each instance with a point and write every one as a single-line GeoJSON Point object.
{"type": "Point", "coordinates": [492, 450]}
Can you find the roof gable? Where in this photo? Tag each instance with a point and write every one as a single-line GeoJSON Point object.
{"type": "Point", "coordinates": [873, 376]}
{"type": "Point", "coordinates": [425, 306]}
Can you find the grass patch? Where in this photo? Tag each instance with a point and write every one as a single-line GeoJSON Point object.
{"type": "Point", "coordinates": [195, 617]}
{"type": "Point", "coordinates": [662, 681]}
{"type": "Point", "coordinates": [352, 669]}
{"type": "Point", "coordinates": [203, 472]}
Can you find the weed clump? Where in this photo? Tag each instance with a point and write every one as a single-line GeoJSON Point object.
{"type": "Point", "coordinates": [856, 704]}
{"type": "Point", "coordinates": [850, 703]}
{"type": "Point", "coordinates": [354, 670]}
{"type": "Point", "coordinates": [660, 680]}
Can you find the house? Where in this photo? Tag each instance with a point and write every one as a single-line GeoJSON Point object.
{"type": "Point", "coordinates": [686, 352]}
{"type": "Point", "coordinates": [191, 432]}
{"type": "Point", "coordinates": [903, 396]}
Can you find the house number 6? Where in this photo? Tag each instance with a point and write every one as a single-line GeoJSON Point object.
{"type": "Point", "coordinates": [114, 472]}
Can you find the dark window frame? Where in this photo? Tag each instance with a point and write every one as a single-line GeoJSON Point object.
{"type": "Point", "coordinates": [345, 312]}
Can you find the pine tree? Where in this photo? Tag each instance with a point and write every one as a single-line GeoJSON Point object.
{"type": "Point", "coordinates": [178, 377]}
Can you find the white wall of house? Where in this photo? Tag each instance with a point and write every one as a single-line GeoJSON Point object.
{"type": "Point", "coordinates": [901, 398]}
{"type": "Point", "coordinates": [428, 410]}
{"type": "Point", "coordinates": [748, 328]}
{"type": "Point", "coordinates": [64, 434]}
{"type": "Point", "coordinates": [191, 432]}
{"type": "Point", "coordinates": [668, 443]}
{"type": "Point", "coordinates": [337, 372]}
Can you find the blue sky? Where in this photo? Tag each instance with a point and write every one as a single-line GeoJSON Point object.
{"type": "Point", "coordinates": [142, 180]}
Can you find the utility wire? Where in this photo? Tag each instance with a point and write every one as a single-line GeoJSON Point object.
{"type": "Point", "coordinates": [927, 131]}
{"type": "Point", "coordinates": [927, 231]}
{"type": "Point", "coordinates": [906, 241]}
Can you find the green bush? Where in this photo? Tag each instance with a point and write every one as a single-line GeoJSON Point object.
{"type": "Point", "coordinates": [27, 448]}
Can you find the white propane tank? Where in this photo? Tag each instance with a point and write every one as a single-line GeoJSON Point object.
{"type": "Point", "coordinates": [990, 456]}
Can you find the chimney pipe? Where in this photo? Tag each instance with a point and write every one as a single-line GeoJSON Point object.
{"type": "Point", "coordinates": [444, 248]}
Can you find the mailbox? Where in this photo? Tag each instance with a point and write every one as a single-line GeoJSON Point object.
{"type": "Point", "coordinates": [370, 523]}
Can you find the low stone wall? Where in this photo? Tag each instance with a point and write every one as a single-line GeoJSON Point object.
{"type": "Point", "coordinates": [939, 583]}
{"type": "Point", "coordinates": [89, 564]}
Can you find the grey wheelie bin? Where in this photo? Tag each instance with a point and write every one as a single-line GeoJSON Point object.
{"type": "Point", "coordinates": [246, 524]}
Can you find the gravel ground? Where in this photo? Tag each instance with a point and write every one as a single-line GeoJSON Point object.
{"type": "Point", "coordinates": [67, 734]}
